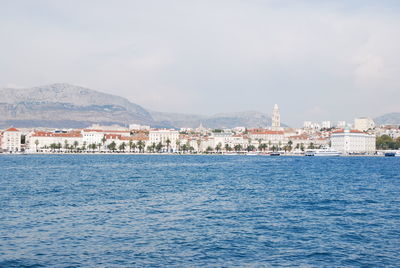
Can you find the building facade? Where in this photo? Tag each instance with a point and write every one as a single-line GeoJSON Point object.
{"type": "Point", "coordinates": [276, 118]}
{"type": "Point", "coordinates": [167, 137]}
{"type": "Point", "coordinates": [363, 123]}
{"type": "Point", "coordinates": [353, 141]}
{"type": "Point", "coordinates": [11, 140]}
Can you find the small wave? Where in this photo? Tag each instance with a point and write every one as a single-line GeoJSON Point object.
{"type": "Point", "coordinates": [20, 263]}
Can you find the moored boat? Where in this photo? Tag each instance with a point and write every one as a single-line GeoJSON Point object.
{"type": "Point", "coordinates": [275, 154]}
{"type": "Point", "coordinates": [322, 152]}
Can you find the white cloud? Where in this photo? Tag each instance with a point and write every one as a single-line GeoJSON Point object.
{"type": "Point", "coordinates": [212, 56]}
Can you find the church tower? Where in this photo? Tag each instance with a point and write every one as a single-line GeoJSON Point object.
{"type": "Point", "coordinates": [276, 118]}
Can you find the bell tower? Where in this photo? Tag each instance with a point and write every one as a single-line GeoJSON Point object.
{"type": "Point", "coordinates": [276, 118]}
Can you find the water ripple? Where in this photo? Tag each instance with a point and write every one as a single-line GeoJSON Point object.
{"type": "Point", "coordinates": [198, 211]}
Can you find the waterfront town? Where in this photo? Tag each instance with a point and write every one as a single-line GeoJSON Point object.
{"type": "Point", "coordinates": [361, 137]}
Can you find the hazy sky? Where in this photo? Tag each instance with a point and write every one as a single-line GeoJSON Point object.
{"type": "Point", "coordinates": [319, 60]}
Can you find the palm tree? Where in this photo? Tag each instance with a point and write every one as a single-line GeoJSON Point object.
{"type": "Point", "coordinates": [53, 147]}
{"type": "Point", "coordinates": [168, 142]}
{"type": "Point", "coordinates": [103, 140]}
{"type": "Point", "coordinates": [311, 146]}
{"type": "Point", "coordinates": [209, 149]}
{"type": "Point", "coordinates": [93, 146]}
{"type": "Point", "coordinates": [250, 148]}
{"type": "Point", "coordinates": [184, 148]}
{"type": "Point", "coordinates": [76, 143]}
{"type": "Point", "coordinates": [134, 147]}
{"type": "Point", "coordinates": [140, 146]}
{"type": "Point", "coordinates": [238, 147]}
{"type": "Point", "coordinates": [36, 143]}
{"type": "Point", "coordinates": [227, 147]}
{"type": "Point", "coordinates": [99, 146]}
{"type": "Point", "coordinates": [66, 144]}
{"type": "Point", "coordinates": [121, 147]}
{"type": "Point", "coordinates": [198, 144]}
{"type": "Point", "coordinates": [112, 146]}
{"type": "Point", "coordinates": [289, 145]}
{"type": "Point", "coordinates": [218, 147]}
{"type": "Point", "coordinates": [153, 147]}
{"type": "Point", "coordinates": [159, 147]}
{"type": "Point", "coordinates": [130, 144]}
{"type": "Point", "coordinates": [260, 146]}
{"type": "Point", "coordinates": [178, 145]}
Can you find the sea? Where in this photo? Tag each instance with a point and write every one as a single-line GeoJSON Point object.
{"type": "Point", "coordinates": [199, 211]}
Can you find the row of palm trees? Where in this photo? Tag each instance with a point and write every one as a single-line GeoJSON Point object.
{"type": "Point", "coordinates": [140, 147]}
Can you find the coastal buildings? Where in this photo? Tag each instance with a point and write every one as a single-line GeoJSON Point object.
{"type": "Point", "coordinates": [353, 141]}
{"type": "Point", "coordinates": [167, 138]}
{"type": "Point", "coordinates": [363, 123]}
{"type": "Point", "coordinates": [39, 140]}
{"type": "Point", "coordinates": [229, 140]}
{"type": "Point", "coordinates": [341, 124]}
{"type": "Point", "coordinates": [326, 124]}
{"type": "Point", "coordinates": [11, 140]}
{"type": "Point", "coordinates": [138, 138]}
{"type": "Point", "coordinates": [273, 137]}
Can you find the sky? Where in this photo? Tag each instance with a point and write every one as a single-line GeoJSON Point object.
{"type": "Point", "coordinates": [319, 60]}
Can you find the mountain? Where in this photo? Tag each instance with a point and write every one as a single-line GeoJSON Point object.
{"type": "Point", "coordinates": [64, 105]}
{"type": "Point", "coordinates": [388, 119]}
{"type": "Point", "coordinates": [225, 120]}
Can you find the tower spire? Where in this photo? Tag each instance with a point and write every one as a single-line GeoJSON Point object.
{"type": "Point", "coordinates": [276, 117]}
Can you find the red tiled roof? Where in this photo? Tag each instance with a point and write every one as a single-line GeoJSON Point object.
{"type": "Point", "coordinates": [134, 138]}
{"type": "Point", "coordinates": [106, 131]}
{"type": "Point", "coordinates": [269, 132]}
{"type": "Point", "coordinates": [11, 129]}
{"type": "Point", "coordinates": [113, 136]}
{"type": "Point", "coordinates": [51, 134]}
{"type": "Point", "coordinates": [299, 137]}
{"type": "Point", "coordinates": [351, 131]}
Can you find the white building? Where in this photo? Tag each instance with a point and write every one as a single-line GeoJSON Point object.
{"type": "Point", "coordinates": [139, 127]}
{"type": "Point", "coordinates": [108, 128]}
{"type": "Point", "coordinates": [11, 140]}
{"type": "Point", "coordinates": [311, 125]}
{"type": "Point", "coordinates": [228, 139]}
{"type": "Point", "coordinates": [326, 124]}
{"type": "Point", "coordinates": [353, 141]}
{"type": "Point", "coordinates": [276, 118]}
{"type": "Point", "coordinates": [91, 136]}
{"type": "Point", "coordinates": [363, 123]}
{"type": "Point", "coordinates": [268, 136]}
{"type": "Point", "coordinates": [42, 140]}
{"type": "Point", "coordinates": [341, 124]}
{"type": "Point", "coordinates": [163, 135]}
{"type": "Point", "coordinates": [307, 124]}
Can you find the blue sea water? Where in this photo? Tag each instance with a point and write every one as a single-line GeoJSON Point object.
{"type": "Point", "coordinates": [199, 211]}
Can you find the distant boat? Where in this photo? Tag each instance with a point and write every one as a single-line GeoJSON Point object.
{"type": "Point", "coordinates": [275, 154]}
{"type": "Point", "coordinates": [251, 153]}
{"type": "Point", "coordinates": [322, 152]}
{"type": "Point", "coordinates": [309, 153]}
{"type": "Point", "coordinates": [391, 154]}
